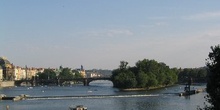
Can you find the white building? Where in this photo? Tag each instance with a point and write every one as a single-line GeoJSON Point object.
{"type": "Point", "coordinates": [18, 73]}
{"type": "Point", "coordinates": [94, 75]}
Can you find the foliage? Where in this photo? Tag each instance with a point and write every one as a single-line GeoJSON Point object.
{"type": "Point", "coordinates": [47, 74]}
{"type": "Point", "coordinates": [142, 79]}
{"type": "Point", "coordinates": [77, 74]}
{"type": "Point", "coordinates": [123, 77]}
{"type": "Point", "coordinates": [213, 84]}
{"type": "Point", "coordinates": [66, 73]}
{"type": "Point", "coordinates": [157, 73]}
{"type": "Point", "coordinates": [61, 73]}
{"type": "Point", "coordinates": [146, 73]}
{"type": "Point", "coordinates": [197, 74]}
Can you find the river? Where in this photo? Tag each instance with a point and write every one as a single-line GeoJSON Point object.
{"type": "Point", "coordinates": [100, 95]}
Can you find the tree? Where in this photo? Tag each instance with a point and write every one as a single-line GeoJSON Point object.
{"type": "Point", "coordinates": [47, 74]}
{"type": "Point", "coordinates": [123, 65]}
{"type": "Point", "coordinates": [66, 73]}
{"type": "Point", "coordinates": [152, 80]}
{"type": "Point", "coordinates": [158, 73]}
{"type": "Point", "coordinates": [142, 79]}
{"type": "Point", "coordinates": [197, 74]}
{"type": "Point", "coordinates": [146, 73]}
{"type": "Point", "coordinates": [77, 74]}
{"type": "Point", "coordinates": [123, 77]}
{"type": "Point", "coordinates": [213, 84]}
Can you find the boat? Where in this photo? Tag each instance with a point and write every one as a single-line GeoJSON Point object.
{"type": "Point", "coordinates": [78, 107]}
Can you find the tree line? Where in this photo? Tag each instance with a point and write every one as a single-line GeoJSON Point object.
{"type": "Point", "coordinates": [150, 73]}
{"type": "Point", "coordinates": [61, 73]}
{"type": "Point", "coordinates": [198, 75]}
{"type": "Point", "coordinates": [145, 74]}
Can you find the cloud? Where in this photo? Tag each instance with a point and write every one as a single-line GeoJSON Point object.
{"type": "Point", "coordinates": [110, 33]}
{"type": "Point", "coordinates": [119, 32]}
{"type": "Point", "coordinates": [153, 25]}
{"type": "Point", "coordinates": [159, 18]}
{"type": "Point", "coordinates": [213, 33]}
{"type": "Point", "coordinates": [189, 50]}
{"type": "Point", "coordinates": [203, 16]}
{"type": "Point", "coordinates": [161, 23]}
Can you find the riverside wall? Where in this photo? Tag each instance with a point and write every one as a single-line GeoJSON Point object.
{"type": "Point", "coordinates": [7, 83]}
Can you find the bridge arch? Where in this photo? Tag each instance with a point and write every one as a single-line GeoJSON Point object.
{"type": "Point", "coordinates": [27, 82]}
{"type": "Point", "coordinates": [85, 81]}
{"type": "Point", "coordinates": [101, 83]}
{"type": "Point", "coordinates": [88, 80]}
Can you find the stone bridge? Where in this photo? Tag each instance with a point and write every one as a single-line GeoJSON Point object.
{"type": "Point", "coordinates": [88, 80]}
{"type": "Point", "coordinates": [36, 82]}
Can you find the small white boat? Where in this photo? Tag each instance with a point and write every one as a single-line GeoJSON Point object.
{"type": "Point", "coordinates": [78, 107]}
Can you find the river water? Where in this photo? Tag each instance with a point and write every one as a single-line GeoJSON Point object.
{"type": "Point", "coordinates": [100, 95]}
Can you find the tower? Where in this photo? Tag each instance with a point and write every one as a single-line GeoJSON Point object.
{"type": "Point", "coordinates": [82, 71]}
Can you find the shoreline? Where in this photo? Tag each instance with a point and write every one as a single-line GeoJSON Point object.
{"type": "Point", "coordinates": [145, 89]}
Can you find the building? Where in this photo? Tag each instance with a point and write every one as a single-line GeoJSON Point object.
{"type": "Point", "coordinates": [1, 73]}
{"type": "Point", "coordinates": [93, 73]}
{"type": "Point", "coordinates": [9, 72]}
{"type": "Point", "coordinates": [82, 71]}
{"type": "Point", "coordinates": [26, 73]}
{"type": "Point", "coordinates": [18, 73]}
{"type": "Point", "coordinates": [7, 69]}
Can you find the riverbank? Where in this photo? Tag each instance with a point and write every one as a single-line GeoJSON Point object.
{"type": "Point", "coordinates": [146, 88]}
{"type": "Point", "coordinates": [7, 83]}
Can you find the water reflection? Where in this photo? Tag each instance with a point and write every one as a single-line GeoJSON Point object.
{"type": "Point", "coordinates": [101, 83]}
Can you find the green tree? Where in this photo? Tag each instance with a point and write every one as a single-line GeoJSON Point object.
{"type": "Point", "coordinates": [213, 84]}
{"type": "Point", "coordinates": [171, 77]}
{"type": "Point", "coordinates": [202, 73]}
{"type": "Point", "coordinates": [152, 81]}
{"type": "Point", "coordinates": [142, 79]}
{"type": "Point", "coordinates": [66, 73]}
{"type": "Point", "coordinates": [123, 65]}
{"type": "Point", "coordinates": [123, 77]}
{"type": "Point", "coordinates": [77, 74]}
{"type": "Point", "coordinates": [197, 74]}
{"type": "Point", "coordinates": [146, 73]}
{"type": "Point", "coordinates": [158, 73]}
{"type": "Point", "coordinates": [47, 74]}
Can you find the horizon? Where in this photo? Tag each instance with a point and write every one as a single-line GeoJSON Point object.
{"type": "Point", "coordinates": [99, 34]}
{"type": "Point", "coordinates": [82, 65]}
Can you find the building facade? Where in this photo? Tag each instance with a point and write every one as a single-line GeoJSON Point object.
{"type": "Point", "coordinates": [26, 73]}
{"type": "Point", "coordinates": [1, 74]}
{"type": "Point", "coordinates": [9, 72]}
{"type": "Point", "coordinates": [7, 69]}
{"type": "Point", "coordinates": [82, 72]}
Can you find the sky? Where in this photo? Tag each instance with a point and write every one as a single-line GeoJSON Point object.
{"type": "Point", "coordinates": [98, 34]}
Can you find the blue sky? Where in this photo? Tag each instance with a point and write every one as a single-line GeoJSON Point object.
{"type": "Point", "coordinates": [101, 33]}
